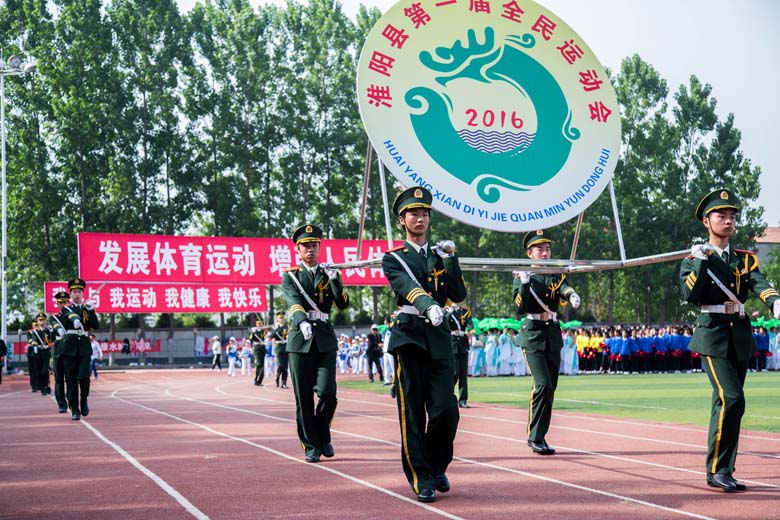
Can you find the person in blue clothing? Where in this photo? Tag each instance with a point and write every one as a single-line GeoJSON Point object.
{"type": "Point", "coordinates": [624, 354]}
{"type": "Point", "coordinates": [675, 350]}
{"type": "Point", "coordinates": [692, 359]}
{"type": "Point", "coordinates": [661, 351]}
{"type": "Point", "coordinates": [762, 344]}
{"type": "Point", "coordinates": [645, 351]}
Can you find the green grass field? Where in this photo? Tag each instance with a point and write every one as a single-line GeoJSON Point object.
{"type": "Point", "coordinates": [672, 398]}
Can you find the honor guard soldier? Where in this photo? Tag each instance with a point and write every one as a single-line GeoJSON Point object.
{"type": "Point", "coordinates": [279, 334]}
{"type": "Point", "coordinates": [718, 278]}
{"type": "Point", "coordinates": [78, 319]}
{"type": "Point", "coordinates": [258, 351]}
{"type": "Point", "coordinates": [58, 366]}
{"type": "Point", "coordinates": [423, 279]}
{"type": "Point", "coordinates": [460, 322]}
{"type": "Point", "coordinates": [310, 290]}
{"type": "Point", "coordinates": [42, 337]}
{"type": "Point", "coordinates": [34, 357]}
{"type": "Point", "coordinates": [538, 297]}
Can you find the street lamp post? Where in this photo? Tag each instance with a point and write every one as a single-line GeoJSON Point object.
{"type": "Point", "coordinates": [14, 66]}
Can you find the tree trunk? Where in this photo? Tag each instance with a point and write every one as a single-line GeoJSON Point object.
{"type": "Point", "coordinates": [611, 300]}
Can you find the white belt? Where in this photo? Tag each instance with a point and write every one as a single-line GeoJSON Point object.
{"type": "Point", "coordinates": [544, 316]}
{"type": "Point", "coordinates": [317, 315]}
{"type": "Point", "coordinates": [726, 308]}
{"type": "Point", "coordinates": [458, 333]}
{"type": "Point", "coordinates": [76, 332]}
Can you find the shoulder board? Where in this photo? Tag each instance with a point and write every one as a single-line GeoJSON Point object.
{"type": "Point", "coordinates": [292, 269]}
{"type": "Point", "coordinates": [745, 251]}
{"type": "Point", "coordinates": [395, 249]}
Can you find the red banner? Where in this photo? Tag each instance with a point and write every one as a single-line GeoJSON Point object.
{"type": "Point", "coordinates": [136, 346]}
{"type": "Point", "coordinates": [134, 298]}
{"type": "Point", "coordinates": [115, 257]}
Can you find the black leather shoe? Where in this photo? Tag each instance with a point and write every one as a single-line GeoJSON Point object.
{"type": "Point", "coordinates": [725, 482]}
{"type": "Point", "coordinates": [314, 456]}
{"type": "Point", "coordinates": [84, 408]}
{"type": "Point", "coordinates": [76, 416]}
{"type": "Point", "coordinates": [463, 404]}
{"type": "Point", "coordinates": [541, 448]}
{"type": "Point", "coordinates": [63, 409]}
{"type": "Point", "coordinates": [442, 483]}
{"type": "Point", "coordinates": [426, 495]}
{"type": "Point", "coordinates": [284, 385]}
{"type": "Point", "coordinates": [327, 450]}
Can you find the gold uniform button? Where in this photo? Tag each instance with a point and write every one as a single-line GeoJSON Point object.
{"type": "Point", "coordinates": [315, 324]}
{"type": "Point", "coordinates": [430, 279]}
{"type": "Point", "coordinates": [731, 285]}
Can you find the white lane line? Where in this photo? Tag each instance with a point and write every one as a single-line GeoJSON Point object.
{"type": "Point", "coordinates": [9, 394]}
{"type": "Point", "coordinates": [623, 436]}
{"type": "Point", "coordinates": [186, 504]}
{"type": "Point", "coordinates": [563, 413]}
{"type": "Point", "coordinates": [460, 459]}
{"type": "Point", "coordinates": [616, 405]}
{"type": "Point", "coordinates": [511, 439]}
{"type": "Point", "coordinates": [289, 457]}
{"type": "Point", "coordinates": [657, 425]}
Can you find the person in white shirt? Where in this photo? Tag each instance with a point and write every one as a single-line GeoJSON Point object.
{"type": "Point", "coordinates": [216, 349]}
{"type": "Point", "coordinates": [97, 354]}
{"type": "Point", "coordinates": [246, 359]}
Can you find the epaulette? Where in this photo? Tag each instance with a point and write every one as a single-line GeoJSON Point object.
{"type": "Point", "coordinates": [745, 251]}
{"type": "Point", "coordinates": [395, 249]}
{"type": "Point", "coordinates": [292, 269]}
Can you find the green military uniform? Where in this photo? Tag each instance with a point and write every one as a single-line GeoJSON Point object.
{"type": "Point", "coordinates": [33, 359]}
{"type": "Point", "coordinates": [423, 353]}
{"type": "Point", "coordinates": [723, 332]}
{"type": "Point", "coordinates": [459, 319]}
{"type": "Point", "coordinates": [540, 338]}
{"type": "Point", "coordinates": [58, 365]}
{"type": "Point", "coordinates": [279, 335]}
{"type": "Point", "coordinates": [40, 341]}
{"type": "Point", "coordinates": [258, 354]}
{"type": "Point", "coordinates": [77, 350]}
{"type": "Point", "coordinates": [313, 359]}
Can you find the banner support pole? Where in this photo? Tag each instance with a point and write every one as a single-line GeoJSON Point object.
{"type": "Point", "coordinates": [382, 183]}
{"type": "Point", "coordinates": [361, 224]}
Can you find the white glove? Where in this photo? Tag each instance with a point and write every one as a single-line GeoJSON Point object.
{"type": "Point", "coordinates": [77, 324]}
{"type": "Point", "coordinates": [574, 298]}
{"type": "Point", "coordinates": [89, 305]}
{"type": "Point", "coordinates": [60, 333]}
{"type": "Point", "coordinates": [523, 276]}
{"type": "Point", "coordinates": [702, 251]}
{"type": "Point", "coordinates": [435, 314]}
{"type": "Point", "coordinates": [330, 272]}
{"type": "Point", "coordinates": [305, 328]}
{"type": "Point", "coordinates": [444, 248]}
{"type": "Point", "coordinates": [776, 309]}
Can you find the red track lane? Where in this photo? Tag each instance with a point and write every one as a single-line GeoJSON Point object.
{"type": "Point", "coordinates": [227, 449]}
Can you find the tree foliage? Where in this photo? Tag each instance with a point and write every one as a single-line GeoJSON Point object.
{"type": "Point", "coordinates": [237, 120]}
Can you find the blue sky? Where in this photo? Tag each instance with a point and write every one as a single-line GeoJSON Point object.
{"type": "Point", "coordinates": [730, 45]}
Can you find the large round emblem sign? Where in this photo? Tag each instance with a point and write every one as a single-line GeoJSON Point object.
{"type": "Point", "coordinates": [497, 107]}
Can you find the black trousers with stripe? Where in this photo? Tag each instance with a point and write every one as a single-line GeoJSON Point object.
{"type": "Point", "coordinates": [544, 366]}
{"type": "Point", "coordinates": [427, 412]}
{"type": "Point", "coordinates": [727, 377]}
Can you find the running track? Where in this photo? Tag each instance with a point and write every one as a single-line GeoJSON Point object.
{"type": "Point", "coordinates": [183, 444]}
